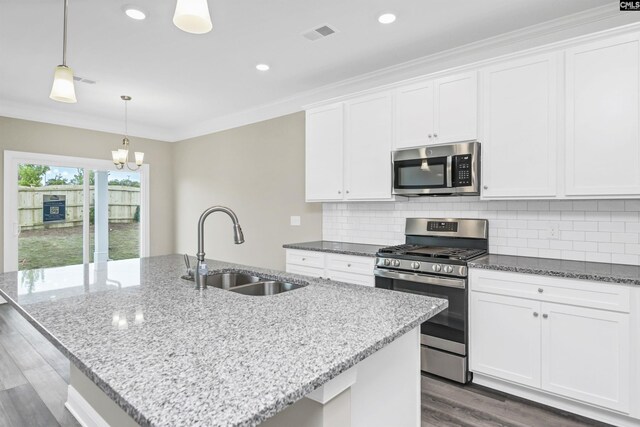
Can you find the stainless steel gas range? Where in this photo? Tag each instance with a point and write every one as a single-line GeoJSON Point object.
{"type": "Point", "coordinates": [433, 262]}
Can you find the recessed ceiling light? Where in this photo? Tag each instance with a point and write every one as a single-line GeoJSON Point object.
{"type": "Point", "coordinates": [262, 67]}
{"type": "Point", "coordinates": [136, 14]}
{"type": "Point", "coordinates": [386, 18]}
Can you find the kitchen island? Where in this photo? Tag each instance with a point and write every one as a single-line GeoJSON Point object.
{"type": "Point", "coordinates": [165, 354]}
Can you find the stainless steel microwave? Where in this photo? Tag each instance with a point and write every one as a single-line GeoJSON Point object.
{"type": "Point", "coordinates": [443, 169]}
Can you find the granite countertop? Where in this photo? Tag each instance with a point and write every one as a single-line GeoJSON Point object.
{"type": "Point", "coordinates": [170, 355]}
{"type": "Point", "coordinates": [359, 249]}
{"type": "Point", "coordinates": [601, 272]}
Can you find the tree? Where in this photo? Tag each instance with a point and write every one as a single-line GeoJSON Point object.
{"type": "Point", "coordinates": [78, 178]}
{"type": "Point", "coordinates": [31, 175]}
{"type": "Point", "coordinates": [57, 180]}
{"type": "Point", "coordinates": [124, 182]}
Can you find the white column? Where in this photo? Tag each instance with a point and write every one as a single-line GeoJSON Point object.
{"type": "Point", "coordinates": [101, 217]}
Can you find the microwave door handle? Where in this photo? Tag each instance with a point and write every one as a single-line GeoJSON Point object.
{"type": "Point", "coordinates": [449, 172]}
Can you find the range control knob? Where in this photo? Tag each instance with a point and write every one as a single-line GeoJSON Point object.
{"type": "Point", "coordinates": [448, 269]}
{"type": "Point", "coordinates": [396, 263]}
{"type": "Point", "coordinates": [436, 267]}
{"type": "Point", "coordinates": [415, 265]}
{"type": "Point", "coordinates": [387, 262]}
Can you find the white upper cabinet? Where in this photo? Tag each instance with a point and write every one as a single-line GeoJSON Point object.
{"type": "Point", "coordinates": [324, 144]}
{"type": "Point", "coordinates": [368, 147]}
{"type": "Point", "coordinates": [602, 118]}
{"type": "Point", "coordinates": [437, 111]}
{"type": "Point", "coordinates": [414, 115]}
{"type": "Point", "coordinates": [519, 124]}
{"type": "Point", "coordinates": [456, 108]}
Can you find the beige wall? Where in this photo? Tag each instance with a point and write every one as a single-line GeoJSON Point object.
{"type": "Point", "coordinates": [36, 137]}
{"type": "Point", "coordinates": [258, 171]}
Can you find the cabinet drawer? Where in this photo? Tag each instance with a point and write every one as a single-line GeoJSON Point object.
{"type": "Point", "coordinates": [357, 279]}
{"type": "Point", "coordinates": [305, 258]}
{"type": "Point", "coordinates": [305, 271]}
{"type": "Point", "coordinates": [552, 289]}
{"type": "Point", "coordinates": [350, 264]}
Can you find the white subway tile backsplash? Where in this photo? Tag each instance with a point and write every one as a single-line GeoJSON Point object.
{"type": "Point", "coordinates": [591, 230]}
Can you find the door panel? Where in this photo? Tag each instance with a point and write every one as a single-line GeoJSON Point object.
{"type": "Point", "coordinates": [456, 108]}
{"type": "Point", "coordinates": [505, 338]}
{"type": "Point", "coordinates": [324, 153]}
{"type": "Point", "coordinates": [368, 148]}
{"type": "Point", "coordinates": [602, 130]}
{"type": "Point", "coordinates": [520, 143]}
{"type": "Point", "coordinates": [585, 354]}
{"type": "Point", "coordinates": [414, 115]}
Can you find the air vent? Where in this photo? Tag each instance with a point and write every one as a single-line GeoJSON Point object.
{"type": "Point", "coordinates": [319, 33]}
{"type": "Point", "coordinates": [83, 80]}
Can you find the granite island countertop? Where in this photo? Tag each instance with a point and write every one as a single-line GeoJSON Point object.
{"type": "Point", "coordinates": [345, 248]}
{"type": "Point", "coordinates": [170, 355]}
{"type": "Point", "coordinates": [584, 270]}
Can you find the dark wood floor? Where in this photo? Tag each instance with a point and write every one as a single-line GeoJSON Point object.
{"type": "Point", "coordinates": [34, 377]}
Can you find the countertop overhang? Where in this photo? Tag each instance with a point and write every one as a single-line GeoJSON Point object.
{"type": "Point", "coordinates": [170, 355]}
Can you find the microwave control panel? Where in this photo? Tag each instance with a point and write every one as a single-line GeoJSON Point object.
{"type": "Point", "coordinates": [462, 170]}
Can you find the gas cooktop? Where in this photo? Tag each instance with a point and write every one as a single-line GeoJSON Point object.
{"type": "Point", "coordinates": [440, 252]}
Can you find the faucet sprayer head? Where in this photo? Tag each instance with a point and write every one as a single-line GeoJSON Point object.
{"type": "Point", "coordinates": [238, 236]}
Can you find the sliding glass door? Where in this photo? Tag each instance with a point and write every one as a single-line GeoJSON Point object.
{"type": "Point", "coordinates": [63, 211]}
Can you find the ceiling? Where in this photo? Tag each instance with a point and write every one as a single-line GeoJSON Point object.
{"type": "Point", "coordinates": [180, 81]}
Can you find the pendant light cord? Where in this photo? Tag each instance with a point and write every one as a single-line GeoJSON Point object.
{"type": "Point", "coordinates": [64, 34]}
{"type": "Point", "coordinates": [126, 121]}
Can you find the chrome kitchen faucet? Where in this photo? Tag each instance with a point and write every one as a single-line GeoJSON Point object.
{"type": "Point", "coordinates": [201, 271]}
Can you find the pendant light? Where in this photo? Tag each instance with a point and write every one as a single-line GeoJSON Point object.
{"type": "Point", "coordinates": [192, 16]}
{"type": "Point", "coordinates": [121, 156]}
{"type": "Point", "coordinates": [63, 89]}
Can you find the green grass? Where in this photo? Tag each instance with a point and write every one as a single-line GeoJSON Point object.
{"type": "Point", "coordinates": [57, 247]}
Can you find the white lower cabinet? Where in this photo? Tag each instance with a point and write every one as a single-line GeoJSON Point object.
{"type": "Point", "coordinates": [341, 268]}
{"type": "Point", "coordinates": [547, 339]}
{"type": "Point", "coordinates": [506, 337]}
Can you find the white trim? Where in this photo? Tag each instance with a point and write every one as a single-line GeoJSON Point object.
{"type": "Point", "coordinates": [586, 410]}
{"type": "Point", "coordinates": [11, 161]}
{"type": "Point", "coordinates": [82, 411]}
{"type": "Point", "coordinates": [334, 387]}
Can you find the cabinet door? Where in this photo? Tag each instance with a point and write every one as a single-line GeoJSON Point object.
{"type": "Point", "coordinates": [413, 113]}
{"type": "Point", "coordinates": [585, 354]}
{"type": "Point", "coordinates": [602, 139]}
{"type": "Point", "coordinates": [456, 108]}
{"type": "Point", "coordinates": [505, 338]}
{"type": "Point", "coordinates": [324, 153]}
{"type": "Point", "coordinates": [520, 142]}
{"type": "Point", "coordinates": [368, 148]}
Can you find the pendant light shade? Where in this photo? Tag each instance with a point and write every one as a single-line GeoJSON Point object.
{"type": "Point", "coordinates": [63, 89]}
{"type": "Point", "coordinates": [193, 16]}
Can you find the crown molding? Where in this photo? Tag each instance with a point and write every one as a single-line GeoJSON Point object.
{"type": "Point", "coordinates": [82, 121]}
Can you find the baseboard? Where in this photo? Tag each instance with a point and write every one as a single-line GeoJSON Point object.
{"type": "Point", "coordinates": [82, 411]}
{"type": "Point", "coordinates": [554, 401]}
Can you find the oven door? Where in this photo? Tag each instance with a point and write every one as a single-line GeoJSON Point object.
{"type": "Point", "coordinates": [422, 176]}
{"type": "Point", "coordinates": [447, 330]}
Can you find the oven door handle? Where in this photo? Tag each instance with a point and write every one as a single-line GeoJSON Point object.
{"type": "Point", "coordinates": [422, 278]}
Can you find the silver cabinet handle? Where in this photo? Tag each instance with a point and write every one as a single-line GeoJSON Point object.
{"type": "Point", "coordinates": [348, 265]}
{"type": "Point", "coordinates": [339, 192]}
{"type": "Point", "coordinates": [304, 259]}
{"type": "Point", "coordinates": [347, 191]}
{"type": "Point", "coordinates": [486, 187]}
{"type": "Point", "coordinates": [435, 135]}
{"type": "Point", "coordinates": [430, 135]}
{"type": "Point", "coordinates": [535, 314]}
{"type": "Point", "coordinates": [540, 290]}
{"type": "Point", "coordinates": [545, 316]}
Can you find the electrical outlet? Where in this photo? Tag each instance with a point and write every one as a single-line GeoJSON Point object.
{"type": "Point", "coordinates": [295, 220]}
{"type": "Point", "coordinates": [554, 231]}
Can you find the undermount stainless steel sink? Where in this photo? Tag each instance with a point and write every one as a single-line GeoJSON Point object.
{"type": "Point", "coordinates": [227, 280]}
{"type": "Point", "coordinates": [270, 287]}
